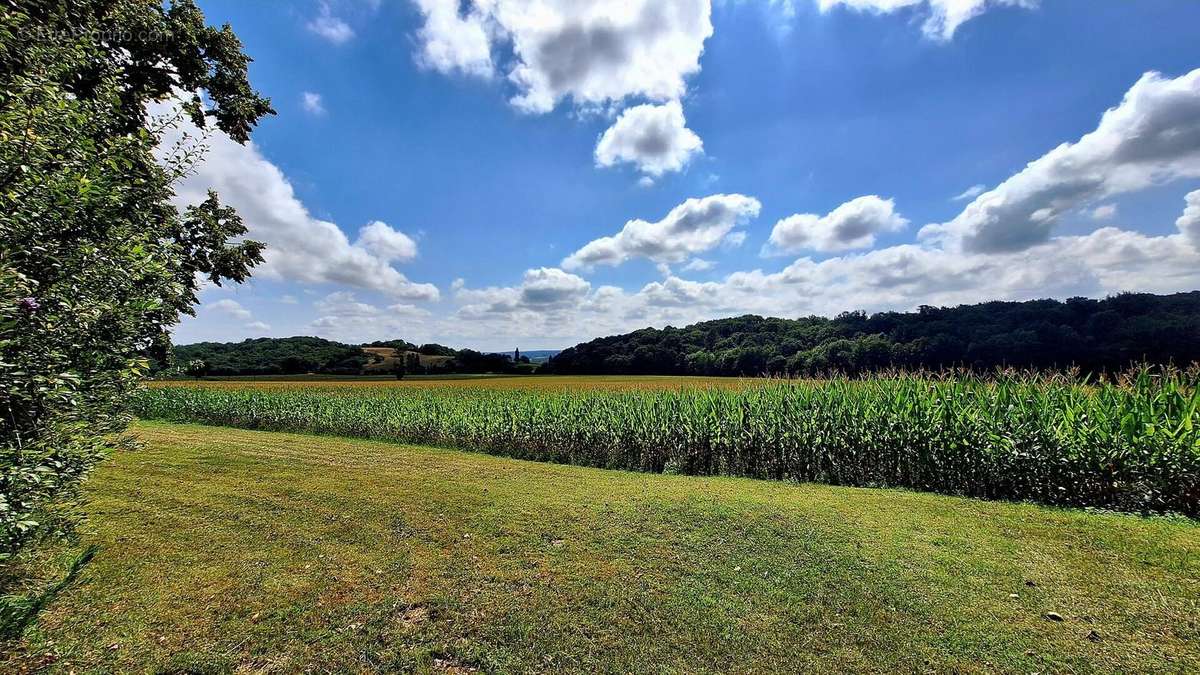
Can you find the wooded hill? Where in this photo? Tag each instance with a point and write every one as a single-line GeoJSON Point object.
{"type": "Point", "coordinates": [300, 355]}
{"type": "Point", "coordinates": [1095, 335]}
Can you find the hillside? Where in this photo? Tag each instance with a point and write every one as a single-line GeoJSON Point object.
{"type": "Point", "coordinates": [275, 356]}
{"type": "Point", "coordinates": [299, 355]}
{"type": "Point", "coordinates": [1094, 335]}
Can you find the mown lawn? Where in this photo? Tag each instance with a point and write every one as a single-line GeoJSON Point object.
{"type": "Point", "coordinates": [224, 549]}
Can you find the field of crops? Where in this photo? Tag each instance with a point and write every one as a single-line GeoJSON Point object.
{"type": "Point", "coordinates": [1131, 445]}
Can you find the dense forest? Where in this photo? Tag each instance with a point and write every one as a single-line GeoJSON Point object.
{"type": "Point", "coordinates": [1095, 335]}
{"type": "Point", "coordinates": [274, 356]}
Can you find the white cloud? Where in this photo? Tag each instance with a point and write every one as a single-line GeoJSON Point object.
{"type": "Point", "coordinates": [695, 226]}
{"type": "Point", "coordinates": [454, 42]}
{"type": "Point", "coordinates": [385, 243]}
{"type": "Point", "coordinates": [231, 307]}
{"type": "Point", "coordinates": [851, 225]}
{"type": "Point", "coordinates": [330, 27]}
{"type": "Point", "coordinates": [1189, 222]}
{"type": "Point", "coordinates": [1104, 212]}
{"type": "Point", "coordinates": [970, 193]}
{"type": "Point", "coordinates": [1152, 137]}
{"type": "Point", "coordinates": [541, 289]}
{"type": "Point", "coordinates": [901, 277]}
{"type": "Point", "coordinates": [258, 326]}
{"type": "Point", "coordinates": [341, 315]}
{"type": "Point", "coordinates": [655, 138]}
{"type": "Point", "coordinates": [299, 247]}
{"type": "Point", "coordinates": [594, 52]}
{"type": "Point", "coordinates": [944, 16]}
{"type": "Point", "coordinates": [699, 265]}
{"type": "Point", "coordinates": [312, 103]}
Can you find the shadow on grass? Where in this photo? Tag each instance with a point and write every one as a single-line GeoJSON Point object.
{"type": "Point", "coordinates": [18, 611]}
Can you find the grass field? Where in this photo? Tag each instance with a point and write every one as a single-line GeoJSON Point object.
{"type": "Point", "coordinates": [225, 549]}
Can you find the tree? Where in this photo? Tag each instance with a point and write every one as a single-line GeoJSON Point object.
{"type": "Point", "coordinates": [96, 264]}
{"type": "Point", "coordinates": [197, 368]}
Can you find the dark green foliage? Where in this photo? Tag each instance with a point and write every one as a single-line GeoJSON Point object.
{"type": "Point", "coordinates": [275, 356]}
{"type": "Point", "coordinates": [96, 264]}
{"type": "Point", "coordinates": [1095, 335]}
{"type": "Point", "coordinates": [299, 355]}
{"type": "Point", "coordinates": [1132, 444]}
{"type": "Point", "coordinates": [436, 350]}
{"type": "Point", "coordinates": [400, 345]}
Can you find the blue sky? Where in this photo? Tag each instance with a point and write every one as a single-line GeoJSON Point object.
{"type": "Point", "coordinates": [535, 173]}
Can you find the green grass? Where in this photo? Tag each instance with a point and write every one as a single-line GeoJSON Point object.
{"type": "Point", "coordinates": [230, 549]}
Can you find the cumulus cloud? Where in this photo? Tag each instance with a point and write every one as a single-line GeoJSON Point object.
{"type": "Point", "coordinates": [695, 226]}
{"type": "Point", "coordinates": [1152, 137]}
{"type": "Point", "coordinates": [454, 42]}
{"type": "Point", "coordinates": [329, 27]}
{"type": "Point", "coordinates": [542, 294]}
{"type": "Point", "coordinates": [594, 52]}
{"type": "Point", "coordinates": [1189, 222]}
{"type": "Point", "coordinates": [655, 138]}
{"type": "Point", "coordinates": [943, 18]}
{"type": "Point", "coordinates": [851, 225]}
{"type": "Point", "coordinates": [386, 243]}
{"type": "Point", "coordinates": [231, 307]}
{"type": "Point", "coordinates": [342, 315]}
{"type": "Point", "coordinates": [299, 247]}
{"type": "Point", "coordinates": [312, 103]}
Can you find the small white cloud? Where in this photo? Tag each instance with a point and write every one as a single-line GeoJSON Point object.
{"type": "Point", "coordinates": [231, 307]}
{"type": "Point", "coordinates": [645, 182]}
{"type": "Point", "coordinates": [289, 299]}
{"type": "Point", "coordinates": [386, 243]}
{"type": "Point", "coordinates": [1104, 212]}
{"type": "Point", "coordinates": [695, 226]}
{"type": "Point", "coordinates": [699, 265]}
{"type": "Point", "coordinates": [852, 225]}
{"type": "Point", "coordinates": [258, 326]}
{"type": "Point", "coordinates": [654, 138]}
{"type": "Point", "coordinates": [329, 27]}
{"type": "Point", "coordinates": [451, 41]}
{"type": "Point", "coordinates": [970, 193]}
{"type": "Point", "coordinates": [312, 103]}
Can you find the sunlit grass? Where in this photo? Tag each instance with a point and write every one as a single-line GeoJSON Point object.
{"type": "Point", "coordinates": [224, 549]}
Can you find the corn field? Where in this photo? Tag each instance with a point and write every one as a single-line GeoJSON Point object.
{"type": "Point", "coordinates": [1130, 444]}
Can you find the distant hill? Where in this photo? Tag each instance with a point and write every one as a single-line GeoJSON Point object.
{"type": "Point", "coordinates": [1095, 335]}
{"type": "Point", "coordinates": [299, 355]}
{"type": "Point", "coordinates": [275, 356]}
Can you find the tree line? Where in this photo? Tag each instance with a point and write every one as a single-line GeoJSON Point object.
{"type": "Point", "coordinates": [302, 355]}
{"type": "Point", "coordinates": [1093, 335]}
